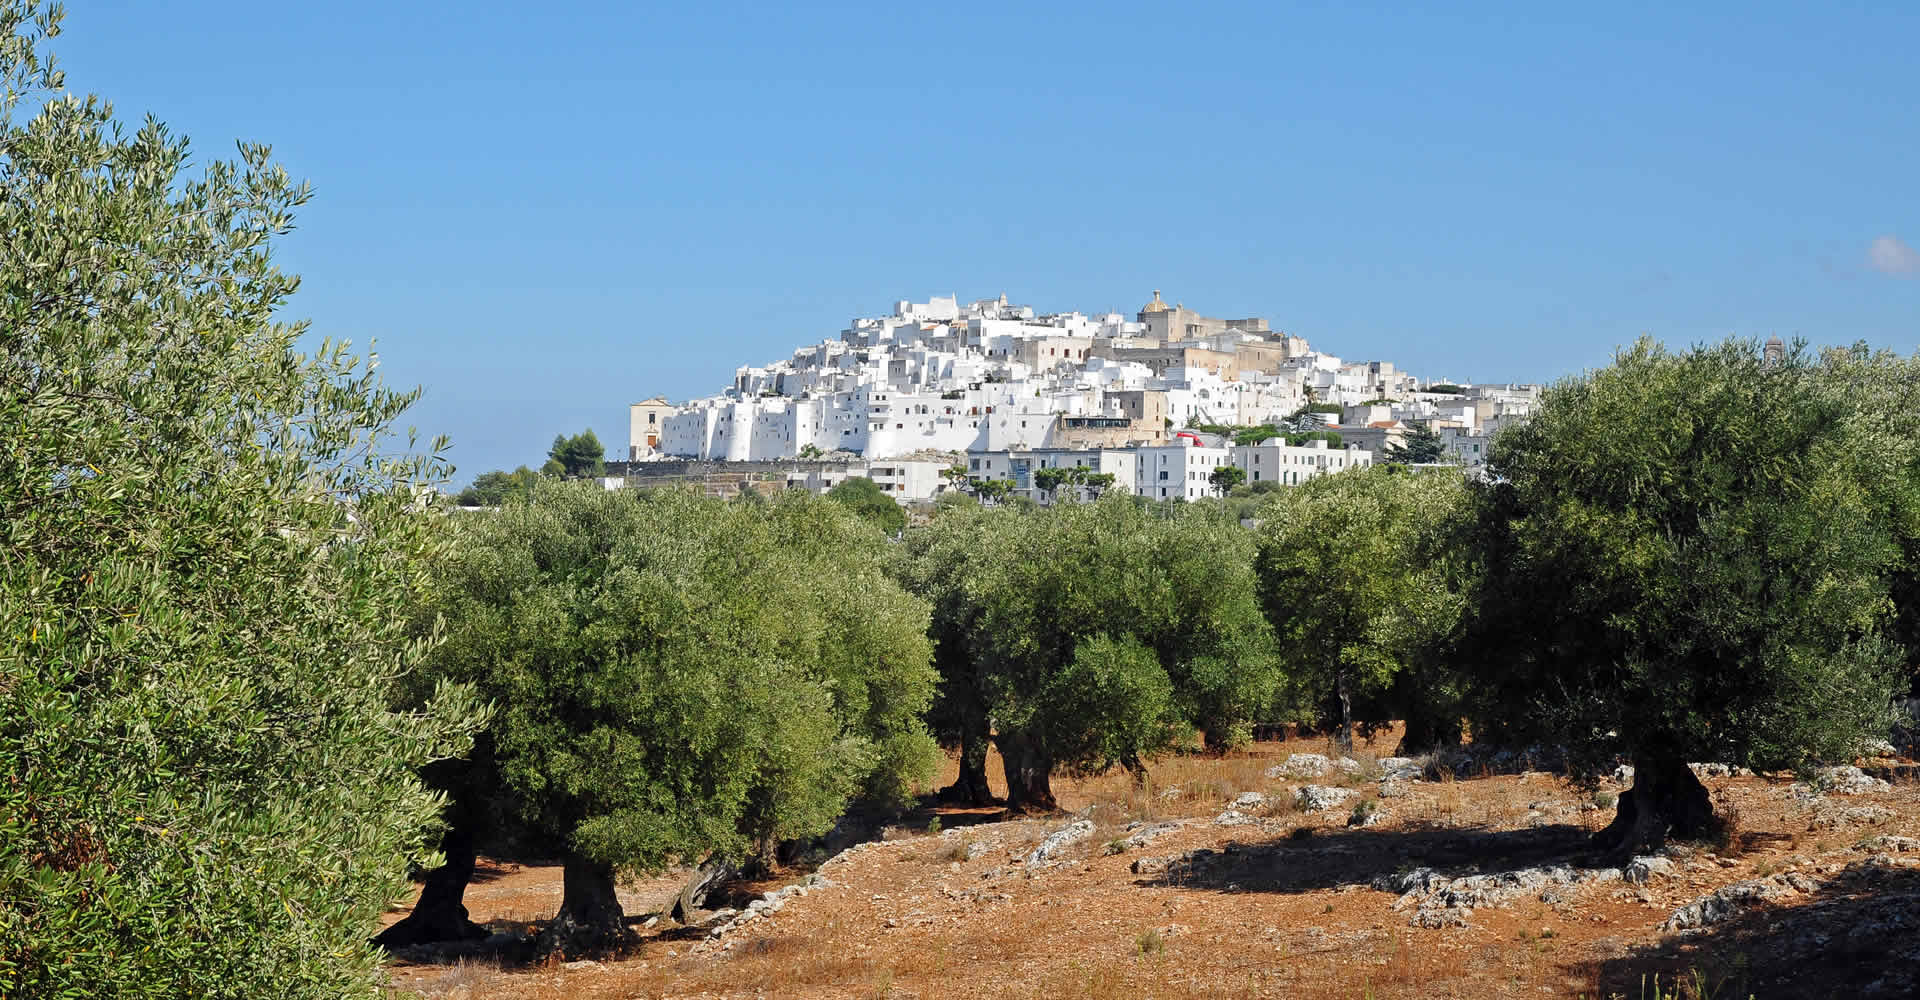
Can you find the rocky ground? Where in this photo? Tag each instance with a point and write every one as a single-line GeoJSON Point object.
{"type": "Point", "coordinates": [1286, 871]}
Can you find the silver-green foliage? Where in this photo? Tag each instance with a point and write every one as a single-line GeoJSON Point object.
{"type": "Point", "coordinates": [676, 675]}
{"type": "Point", "coordinates": [1355, 577]}
{"type": "Point", "coordinates": [1690, 557]}
{"type": "Point", "coordinates": [1097, 633]}
{"type": "Point", "coordinates": [204, 570]}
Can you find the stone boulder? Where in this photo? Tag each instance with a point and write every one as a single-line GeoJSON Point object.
{"type": "Point", "coordinates": [1643, 870]}
{"type": "Point", "coordinates": [1319, 798]}
{"type": "Point", "coordinates": [1058, 841]}
{"type": "Point", "coordinates": [1301, 765]}
{"type": "Point", "coordinates": [1736, 899]}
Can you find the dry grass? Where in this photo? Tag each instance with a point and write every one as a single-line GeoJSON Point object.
{"type": "Point", "coordinates": [917, 918]}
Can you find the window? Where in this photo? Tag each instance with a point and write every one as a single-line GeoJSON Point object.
{"type": "Point", "coordinates": [1163, 473]}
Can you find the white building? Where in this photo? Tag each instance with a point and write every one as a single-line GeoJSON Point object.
{"type": "Point", "coordinates": [1291, 465]}
{"type": "Point", "coordinates": [1180, 471]}
{"type": "Point", "coordinates": [1011, 387]}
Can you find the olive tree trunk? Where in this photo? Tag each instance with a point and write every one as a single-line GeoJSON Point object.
{"type": "Point", "coordinates": [1346, 710]}
{"type": "Point", "coordinates": [441, 913]}
{"type": "Point", "coordinates": [970, 788]}
{"type": "Point", "coordinates": [711, 874]}
{"type": "Point", "coordinates": [1666, 800]}
{"type": "Point", "coordinates": [1029, 775]}
{"type": "Point", "coordinates": [590, 920]}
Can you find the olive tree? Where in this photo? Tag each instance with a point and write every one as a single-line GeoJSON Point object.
{"type": "Point", "coordinates": [1089, 635]}
{"type": "Point", "coordinates": [1688, 559]}
{"type": "Point", "coordinates": [937, 561]}
{"type": "Point", "coordinates": [1887, 386]}
{"type": "Point", "coordinates": [210, 545]}
{"type": "Point", "coordinates": [677, 678]}
{"type": "Point", "coordinates": [865, 497]}
{"type": "Point", "coordinates": [1359, 577]}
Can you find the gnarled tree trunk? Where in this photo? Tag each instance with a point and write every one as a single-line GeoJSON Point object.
{"type": "Point", "coordinates": [590, 920]}
{"type": "Point", "coordinates": [1029, 775]}
{"type": "Point", "coordinates": [441, 913]}
{"type": "Point", "coordinates": [711, 874]}
{"type": "Point", "coordinates": [1666, 800]}
{"type": "Point", "coordinates": [970, 788]}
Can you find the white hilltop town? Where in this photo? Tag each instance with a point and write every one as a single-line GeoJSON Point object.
{"type": "Point", "coordinates": [1002, 392]}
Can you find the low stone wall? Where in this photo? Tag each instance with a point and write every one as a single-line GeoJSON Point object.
{"type": "Point", "coordinates": [719, 479]}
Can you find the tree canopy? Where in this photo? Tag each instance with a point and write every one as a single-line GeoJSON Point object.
{"type": "Point", "coordinates": [1332, 438]}
{"type": "Point", "coordinates": [1422, 446]}
{"type": "Point", "coordinates": [678, 677]}
{"type": "Point", "coordinates": [864, 497]}
{"type": "Point", "coordinates": [1092, 634]}
{"type": "Point", "coordinates": [491, 489]}
{"type": "Point", "coordinates": [578, 457]}
{"type": "Point", "coordinates": [1084, 482]}
{"type": "Point", "coordinates": [208, 558]}
{"type": "Point", "coordinates": [1690, 557]}
{"type": "Point", "coordinates": [1224, 478]}
{"type": "Point", "coordinates": [1355, 577]}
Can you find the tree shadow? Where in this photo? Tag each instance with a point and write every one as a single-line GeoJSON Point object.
{"type": "Point", "coordinates": [488, 869]}
{"type": "Point", "coordinates": [1857, 935]}
{"type": "Point", "coordinates": [1359, 856]}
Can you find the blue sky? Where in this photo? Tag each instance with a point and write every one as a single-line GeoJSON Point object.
{"type": "Point", "coordinates": [543, 212]}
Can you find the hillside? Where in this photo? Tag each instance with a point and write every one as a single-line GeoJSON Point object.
{"type": "Point", "coordinates": [1466, 880]}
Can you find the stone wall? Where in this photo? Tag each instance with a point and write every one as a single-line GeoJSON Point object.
{"type": "Point", "coordinates": [719, 479]}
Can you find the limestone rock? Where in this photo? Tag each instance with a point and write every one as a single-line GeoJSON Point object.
{"type": "Point", "coordinates": [1301, 765]}
{"type": "Point", "coordinates": [1141, 834]}
{"type": "Point", "coordinates": [1442, 901]}
{"type": "Point", "coordinates": [1836, 818]}
{"type": "Point", "coordinates": [1401, 769]}
{"type": "Point", "coordinates": [1319, 798]}
{"type": "Point", "coordinates": [1849, 780]}
{"type": "Point", "coordinates": [1643, 870]}
{"type": "Point", "coordinates": [1451, 916]}
{"type": "Point", "coordinates": [1730, 902]}
{"type": "Point", "coordinates": [1893, 844]}
{"type": "Point", "coordinates": [1058, 841]}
